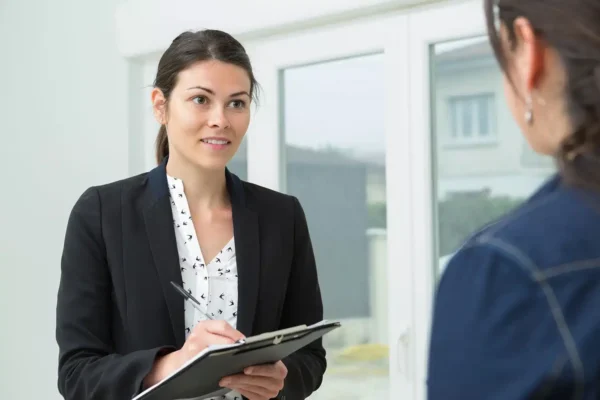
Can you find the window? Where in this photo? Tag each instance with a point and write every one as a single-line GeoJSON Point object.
{"type": "Point", "coordinates": [478, 185]}
{"type": "Point", "coordinates": [472, 119]}
{"type": "Point", "coordinates": [239, 163]}
{"type": "Point", "coordinates": [335, 164]}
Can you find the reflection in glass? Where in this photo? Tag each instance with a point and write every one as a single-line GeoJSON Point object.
{"type": "Point", "coordinates": [483, 166]}
{"type": "Point", "coordinates": [335, 164]}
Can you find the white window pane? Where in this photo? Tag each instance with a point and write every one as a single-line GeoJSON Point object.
{"type": "Point", "coordinates": [455, 118]}
{"type": "Point", "coordinates": [335, 165]}
{"type": "Point", "coordinates": [467, 118]}
{"type": "Point", "coordinates": [483, 115]}
{"type": "Point", "coordinates": [476, 184]}
{"type": "Point", "coordinates": [239, 163]}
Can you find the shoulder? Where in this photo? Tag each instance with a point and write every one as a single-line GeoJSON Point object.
{"type": "Point", "coordinates": [480, 267]}
{"type": "Point", "coordinates": [265, 200]}
{"type": "Point", "coordinates": [559, 228]}
{"type": "Point", "coordinates": [126, 184]}
{"type": "Point", "coordinates": [109, 194]}
{"type": "Point", "coordinates": [487, 305]}
{"type": "Point", "coordinates": [532, 274]}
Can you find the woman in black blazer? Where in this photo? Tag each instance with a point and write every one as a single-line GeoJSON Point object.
{"type": "Point", "coordinates": [121, 327]}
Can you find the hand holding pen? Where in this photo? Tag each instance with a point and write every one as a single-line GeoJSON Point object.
{"type": "Point", "coordinates": [205, 333]}
{"type": "Point", "coordinates": [220, 328]}
{"type": "Point", "coordinates": [265, 379]}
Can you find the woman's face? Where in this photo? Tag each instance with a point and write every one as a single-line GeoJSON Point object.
{"type": "Point", "coordinates": [207, 114]}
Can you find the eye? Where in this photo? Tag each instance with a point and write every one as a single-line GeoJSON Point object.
{"type": "Point", "coordinates": [238, 104]}
{"type": "Point", "coordinates": [200, 100]}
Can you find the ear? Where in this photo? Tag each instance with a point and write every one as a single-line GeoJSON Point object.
{"type": "Point", "coordinates": [159, 106]}
{"type": "Point", "coordinates": [531, 54]}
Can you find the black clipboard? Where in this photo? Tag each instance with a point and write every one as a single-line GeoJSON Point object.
{"type": "Point", "coordinates": [199, 378]}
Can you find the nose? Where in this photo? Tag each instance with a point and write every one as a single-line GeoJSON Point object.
{"type": "Point", "coordinates": [217, 118]}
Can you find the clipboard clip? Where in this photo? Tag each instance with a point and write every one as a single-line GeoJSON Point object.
{"type": "Point", "coordinates": [277, 339]}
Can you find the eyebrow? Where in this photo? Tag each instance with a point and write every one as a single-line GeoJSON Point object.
{"type": "Point", "coordinates": [212, 92]}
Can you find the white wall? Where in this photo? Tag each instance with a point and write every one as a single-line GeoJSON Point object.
{"type": "Point", "coordinates": [63, 105]}
{"type": "Point", "coordinates": [149, 26]}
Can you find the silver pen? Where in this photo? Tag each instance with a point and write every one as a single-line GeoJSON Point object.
{"type": "Point", "coordinates": [192, 299]}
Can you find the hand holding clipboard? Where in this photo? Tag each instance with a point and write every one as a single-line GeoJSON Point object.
{"type": "Point", "coordinates": [218, 361]}
{"type": "Point", "coordinates": [263, 380]}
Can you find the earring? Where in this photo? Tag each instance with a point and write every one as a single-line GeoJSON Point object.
{"type": "Point", "coordinates": [529, 111]}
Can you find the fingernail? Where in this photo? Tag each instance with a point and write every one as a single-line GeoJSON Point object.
{"type": "Point", "coordinates": [249, 370]}
{"type": "Point", "coordinates": [225, 382]}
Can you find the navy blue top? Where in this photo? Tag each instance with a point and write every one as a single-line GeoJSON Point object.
{"type": "Point", "coordinates": [517, 311]}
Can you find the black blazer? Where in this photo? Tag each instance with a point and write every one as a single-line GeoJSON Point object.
{"type": "Point", "coordinates": [116, 310]}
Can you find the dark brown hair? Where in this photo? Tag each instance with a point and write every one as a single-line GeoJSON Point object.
{"type": "Point", "coordinates": [190, 48]}
{"type": "Point", "coordinates": [572, 28]}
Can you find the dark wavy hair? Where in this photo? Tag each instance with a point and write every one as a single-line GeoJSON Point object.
{"type": "Point", "coordinates": [572, 28]}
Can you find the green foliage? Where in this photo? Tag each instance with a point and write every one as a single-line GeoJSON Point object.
{"type": "Point", "coordinates": [377, 215]}
{"type": "Point", "coordinates": [460, 215]}
{"type": "Point", "coordinates": [463, 213]}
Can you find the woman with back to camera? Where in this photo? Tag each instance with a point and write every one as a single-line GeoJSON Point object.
{"type": "Point", "coordinates": [242, 250]}
{"type": "Point", "coordinates": [517, 312]}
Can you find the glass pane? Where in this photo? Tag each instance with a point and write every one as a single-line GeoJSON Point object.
{"type": "Point", "coordinates": [483, 110]}
{"type": "Point", "coordinates": [238, 164]}
{"type": "Point", "coordinates": [467, 117]}
{"type": "Point", "coordinates": [335, 165]}
{"type": "Point", "coordinates": [480, 180]}
{"type": "Point", "coordinates": [454, 119]}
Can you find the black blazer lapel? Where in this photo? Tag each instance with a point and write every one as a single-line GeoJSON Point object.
{"type": "Point", "coordinates": [159, 227]}
{"type": "Point", "coordinates": [247, 244]}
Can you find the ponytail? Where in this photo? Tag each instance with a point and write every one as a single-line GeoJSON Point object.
{"type": "Point", "coordinates": [162, 144]}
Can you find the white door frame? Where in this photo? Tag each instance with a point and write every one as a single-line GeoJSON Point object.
{"type": "Point", "coordinates": [266, 143]}
{"type": "Point", "coordinates": [449, 22]}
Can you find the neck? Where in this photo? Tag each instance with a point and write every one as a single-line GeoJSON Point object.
{"type": "Point", "coordinates": [203, 188]}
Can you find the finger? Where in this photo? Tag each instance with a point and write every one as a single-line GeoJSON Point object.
{"type": "Point", "coordinates": [223, 328]}
{"type": "Point", "coordinates": [196, 342]}
{"type": "Point", "coordinates": [212, 338]}
{"type": "Point", "coordinates": [252, 392]}
{"type": "Point", "coordinates": [277, 370]}
{"type": "Point", "coordinates": [268, 383]}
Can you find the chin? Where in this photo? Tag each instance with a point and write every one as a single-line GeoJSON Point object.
{"type": "Point", "coordinates": [207, 160]}
{"type": "Point", "coordinates": [211, 163]}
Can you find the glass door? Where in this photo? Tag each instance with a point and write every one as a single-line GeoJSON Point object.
{"type": "Point", "coordinates": [324, 133]}
{"type": "Point", "coordinates": [470, 162]}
